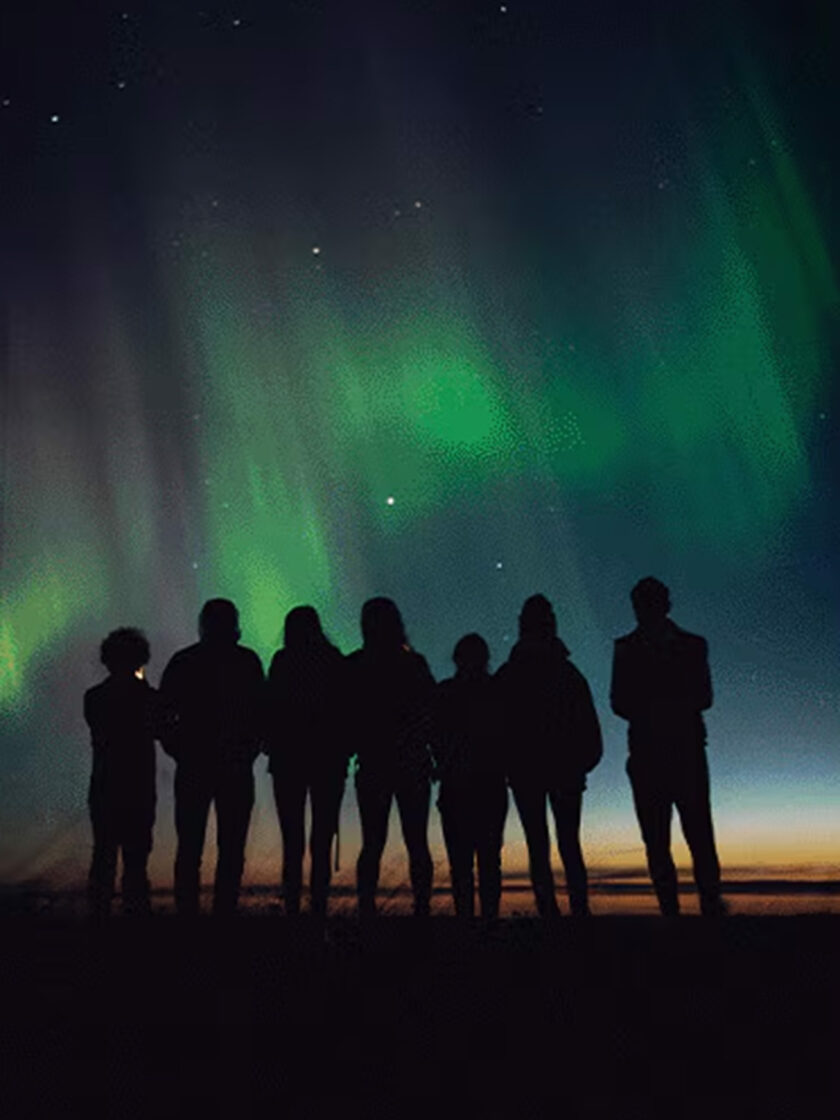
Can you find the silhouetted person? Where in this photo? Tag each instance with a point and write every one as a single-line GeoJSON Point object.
{"type": "Point", "coordinates": [661, 685]}
{"type": "Point", "coordinates": [213, 694]}
{"type": "Point", "coordinates": [308, 750]}
{"type": "Point", "coordinates": [391, 688]}
{"type": "Point", "coordinates": [122, 714]}
{"type": "Point", "coordinates": [467, 743]}
{"type": "Point", "coordinates": [553, 741]}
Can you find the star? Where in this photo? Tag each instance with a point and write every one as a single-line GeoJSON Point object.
{"type": "Point", "coordinates": [55, 118]}
{"type": "Point", "coordinates": [389, 501]}
{"type": "Point", "coordinates": [499, 565]}
{"type": "Point", "coordinates": [316, 249]}
{"type": "Point", "coordinates": [418, 204]}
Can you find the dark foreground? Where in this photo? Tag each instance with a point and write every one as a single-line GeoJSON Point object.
{"type": "Point", "coordinates": [613, 1016]}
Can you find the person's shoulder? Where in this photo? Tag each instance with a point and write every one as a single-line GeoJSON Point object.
{"type": "Point", "coordinates": [96, 696]}
{"type": "Point", "coordinates": [625, 640]}
{"type": "Point", "coordinates": [573, 672]}
{"type": "Point", "coordinates": [418, 663]}
{"type": "Point", "coordinates": [185, 656]}
{"type": "Point", "coordinates": [249, 657]}
{"type": "Point", "coordinates": [96, 690]}
{"type": "Point", "coordinates": [694, 642]}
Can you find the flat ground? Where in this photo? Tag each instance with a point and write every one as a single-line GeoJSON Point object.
{"type": "Point", "coordinates": [615, 1016]}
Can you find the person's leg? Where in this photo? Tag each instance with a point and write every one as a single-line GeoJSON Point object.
{"type": "Point", "coordinates": [652, 799]}
{"type": "Point", "coordinates": [530, 801]}
{"type": "Point", "coordinates": [234, 798]}
{"type": "Point", "coordinates": [374, 797]}
{"type": "Point", "coordinates": [290, 799]}
{"type": "Point", "coordinates": [492, 809]}
{"type": "Point", "coordinates": [694, 807]}
{"type": "Point", "coordinates": [136, 838]}
{"type": "Point", "coordinates": [326, 794]}
{"type": "Point", "coordinates": [103, 864]}
{"type": "Point", "coordinates": [567, 808]}
{"type": "Point", "coordinates": [457, 836]}
{"type": "Point", "coordinates": [193, 794]}
{"type": "Point", "coordinates": [413, 804]}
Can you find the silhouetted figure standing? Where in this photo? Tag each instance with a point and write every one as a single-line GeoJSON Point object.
{"type": "Point", "coordinates": [467, 743]}
{"type": "Point", "coordinates": [553, 741]}
{"type": "Point", "coordinates": [122, 715]}
{"type": "Point", "coordinates": [391, 688]}
{"type": "Point", "coordinates": [308, 750]}
{"type": "Point", "coordinates": [661, 685]}
{"type": "Point", "coordinates": [213, 694]}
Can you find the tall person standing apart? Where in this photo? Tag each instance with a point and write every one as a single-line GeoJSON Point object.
{"type": "Point", "coordinates": [661, 685]}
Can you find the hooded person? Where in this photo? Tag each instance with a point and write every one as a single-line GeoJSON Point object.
{"type": "Point", "coordinates": [553, 740]}
{"type": "Point", "coordinates": [213, 698]}
{"type": "Point", "coordinates": [307, 746]}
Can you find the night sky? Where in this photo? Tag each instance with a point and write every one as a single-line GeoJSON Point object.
{"type": "Point", "coordinates": [454, 302]}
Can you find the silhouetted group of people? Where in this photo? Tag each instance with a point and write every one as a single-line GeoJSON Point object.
{"type": "Point", "coordinates": [531, 727]}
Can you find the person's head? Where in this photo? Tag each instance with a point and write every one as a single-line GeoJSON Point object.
{"type": "Point", "coordinates": [219, 622]}
{"type": "Point", "coordinates": [382, 625]}
{"type": "Point", "coordinates": [471, 655]}
{"type": "Point", "coordinates": [651, 601]}
{"type": "Point", "coordinates": [537, 620]}
{"type": "Point", "coordinates": [302, 629]}
{"type": "Point", "coordinates": [124, 651]}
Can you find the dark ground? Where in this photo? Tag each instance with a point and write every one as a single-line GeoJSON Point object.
{"type": "Point", "coordinates": [622, 1017]}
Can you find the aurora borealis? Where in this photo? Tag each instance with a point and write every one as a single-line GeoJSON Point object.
{"type": "Point", "coordinates": [307, 302]}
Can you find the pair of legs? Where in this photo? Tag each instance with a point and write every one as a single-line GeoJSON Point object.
{"type": "Point", "coordinates": [325, 792]}
{"type": "Point", "coordinates": [473, 829]}
{"type": "Point", "coordinates": [126, 826]}
{"type": "Point", "coordinates": [375, 794]}
{"type": "Point", "coordinates": [231, 789]}
{"type": "Point", "coordinates": [658, 785]}
{"type": "Point", "coordinates": [566, 806]}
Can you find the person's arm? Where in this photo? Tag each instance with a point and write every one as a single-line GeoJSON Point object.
{"type": "Point", "coordinates": [621, 693]}
{"type": "Point", "coordinates": [259, 710]}
{"type": "Point", "coordinates": [168, 702]}
{"type": "Point", "coordinates": [704, 678]}
{"type": "Point", "coordinates": [587, 728]}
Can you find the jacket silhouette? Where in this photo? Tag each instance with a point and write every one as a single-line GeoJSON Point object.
{"type": "Point", "coordinates": [391, 689]}
{"type": "Point", "coordinates": [213, 696]}
{"type": "Point", "coordinates": [661, 685]}
{"type": "Point", "coordinates": [123, 717]}
{"type": "Point", "coordinates": [467, 743]}
{"type": "Point", "coordinates": [308, 748]}
{"type": "Point", "coordinates": [553, 741]}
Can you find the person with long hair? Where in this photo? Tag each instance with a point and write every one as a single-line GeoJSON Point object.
{"type": "Point", "coordinates": [308, 751]}
{"type": "Point", "coordinates": [391, 689]}
{"type": "Point", "coordinates": [553, 741]}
